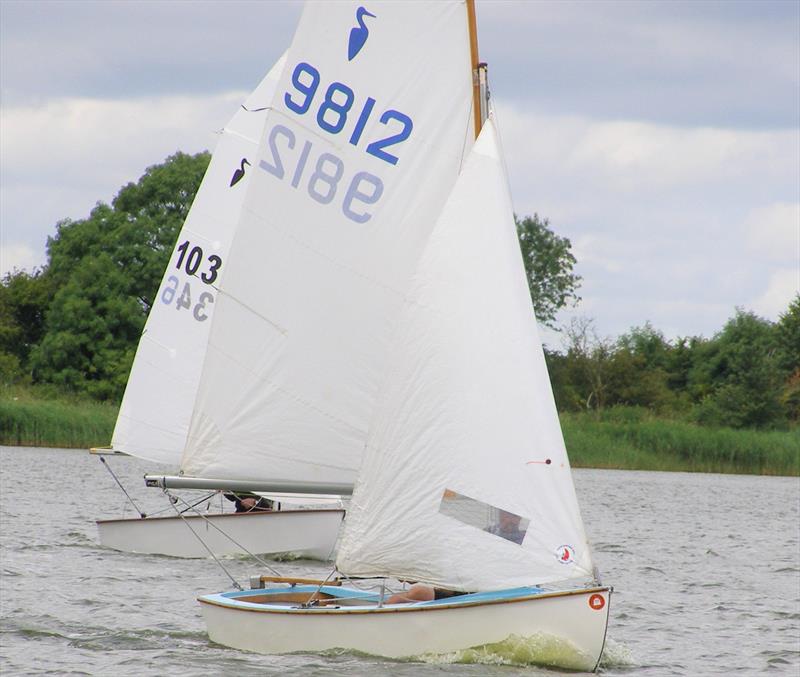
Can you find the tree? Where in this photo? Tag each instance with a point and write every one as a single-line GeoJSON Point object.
{"type": "Point", "coordinates": [23, 301]}
{"type": "Point", "coordinates": [742, 370]}
{"type": "Point", "coordinates": [548, 265]}
{"type": "Point", "coordinates": [787, 332]}
{"type": "Point", "coordinates": [106, 270]}
{"type": "Point", "coordinates": [588, 368]}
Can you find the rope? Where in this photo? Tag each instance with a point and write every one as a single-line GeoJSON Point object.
{"type": "Point", "coordinates": [108, 467]}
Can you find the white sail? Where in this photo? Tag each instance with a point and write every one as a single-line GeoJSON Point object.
{"type": "Point", "coordinates": [466, 458]}
{"type": "Point", "coordinates": [154, 417]}
{"type": "Point", "coordinates": [362, 147]}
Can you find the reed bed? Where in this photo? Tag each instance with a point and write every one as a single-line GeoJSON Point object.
{"type": "Point", "coordinates": [27, 421]}
{"type": "Point", "coordinates": [635, 441]}
{"type": "Point", "coordinates": [620, 437]}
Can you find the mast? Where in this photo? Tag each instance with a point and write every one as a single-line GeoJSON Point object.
{"type": "Point", "coordinates": [480, 93]}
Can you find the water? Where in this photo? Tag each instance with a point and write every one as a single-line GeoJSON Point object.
{"type": "Point", "coordinates": [706, 570]}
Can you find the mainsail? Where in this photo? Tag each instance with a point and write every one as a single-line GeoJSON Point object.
{"type": "Point", "coordinates": [358, 155]}
{"type": "Point", "coordinates": [154, 417]}
{"type": "Point", "coordinates": [466, 483]}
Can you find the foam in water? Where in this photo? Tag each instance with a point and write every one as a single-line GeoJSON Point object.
{"type": "Point", "coordinates": [539, 649]}
{"type": "Point", "coordinates": [616, 655]}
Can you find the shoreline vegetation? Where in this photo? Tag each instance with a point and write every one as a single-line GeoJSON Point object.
{"type": "Point", "coordinates": [28, 419]}
{"type": "Point", "coordinates": [624, 438]}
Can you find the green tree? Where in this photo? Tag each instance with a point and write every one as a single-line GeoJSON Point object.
{"type": "Point", "coordinates": [742, 370]}
{"type": "Point", "coordinates": [106, 270]}
{"type": "Point", "coordinates": [638, 371]}
{"type": "Point", "coordinates": [581, 379]}
{"type": "Point", "coordinates": [787, 332]}
{"type": "Point", "coordinates": [23, 301]}
{"type": "Point", "coordinates": [548, 264]}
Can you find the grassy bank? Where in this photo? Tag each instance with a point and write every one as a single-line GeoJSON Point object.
{"type": "Point", "coordinates": [634, 440]}
{"type": "Point", "coordinates": [34, 419]}
{"type": "Point", "coordinates": [630, 439]}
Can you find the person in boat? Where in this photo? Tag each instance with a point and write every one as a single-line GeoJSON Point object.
{"type": "Point", "coordinates": [507, 527]}
{"type": "Point", "coordinates": [419, 592]}
{"type": "Point", "coordinates": [247, 502]}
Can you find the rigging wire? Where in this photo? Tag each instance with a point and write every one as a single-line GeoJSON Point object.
{"type": "Point", "coordinates": [174, 499]}
{"type": "Point", "coordinates": [108, 467]}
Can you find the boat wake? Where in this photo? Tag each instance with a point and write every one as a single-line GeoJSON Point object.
{"type": "Point", "coordinates": [540, 649]}
{"type": "Point", "coordinates": [616, 655]}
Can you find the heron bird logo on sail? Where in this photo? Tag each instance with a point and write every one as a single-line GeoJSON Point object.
{"type": "Point", "coordinates": [358, 34]}
{"type": "Point", "coordinates": [238, 175]}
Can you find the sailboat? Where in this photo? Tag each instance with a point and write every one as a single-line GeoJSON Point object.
{"type": "Point", "coordinates": [154, 417]}
{"type": "Point", "coordinates": [464, 484]}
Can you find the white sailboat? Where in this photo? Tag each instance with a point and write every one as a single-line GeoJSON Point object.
{"type": "Point", "coordinates": [465, 483]}
{"type": "Point", "coordinates": [156, 411]}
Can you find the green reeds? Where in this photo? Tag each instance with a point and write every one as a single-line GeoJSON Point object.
{"type": "Point", "coordinates": [26, 420]}
{"type": "Point", "coordinates": [629, 439]}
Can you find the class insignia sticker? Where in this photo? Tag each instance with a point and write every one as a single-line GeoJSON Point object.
{"type": "Point", "coordinates": [358, 34]}
{"type": "Point", "coordinates": [565, 554]}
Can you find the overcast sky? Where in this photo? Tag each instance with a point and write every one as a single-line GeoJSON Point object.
{"type": "Point", "coordinates": [661, 138]}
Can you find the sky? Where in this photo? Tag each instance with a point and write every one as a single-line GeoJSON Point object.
{"type": "Point", "coordinates": [661, 138]}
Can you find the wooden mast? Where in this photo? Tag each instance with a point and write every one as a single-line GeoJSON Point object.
{"type": "Point", "coordinates": [473, 49]}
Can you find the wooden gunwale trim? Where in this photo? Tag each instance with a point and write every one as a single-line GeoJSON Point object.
{"type": "Point", "coordinates": [219, 515]}
{"type": "Point", "coordinates": [412, 607]}
{"type": "Point", "coordinates": [303, 581]}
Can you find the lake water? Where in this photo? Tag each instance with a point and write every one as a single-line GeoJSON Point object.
{"type": "Point", "coordinates": [706, 570]}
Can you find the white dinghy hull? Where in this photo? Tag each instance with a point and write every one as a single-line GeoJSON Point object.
{"type": "Point", "coordinates": [303, 533]}
{"type": "Point", "coordinates": [574, 621]}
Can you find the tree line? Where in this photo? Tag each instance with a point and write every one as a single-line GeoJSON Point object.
{"type": "Point", "coordinates": [746, 376]}
{"type": "Point", "coordinates": [73, 325]}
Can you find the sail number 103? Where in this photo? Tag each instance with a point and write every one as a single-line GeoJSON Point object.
{"type": "Point", "coordinates": [192, 261]}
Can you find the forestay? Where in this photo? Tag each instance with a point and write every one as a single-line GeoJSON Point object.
{"type": "Point", "coordinates": [153, 420]}
{"type": "Point", "coordinates": [465, 458]}
{"type": "Point", "coordinates": [364, 143]}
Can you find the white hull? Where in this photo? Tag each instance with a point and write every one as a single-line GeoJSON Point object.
{"type": "Point", "coordinates": [305, 533]}
{"type": "Point", "coordinates": [408, 630]}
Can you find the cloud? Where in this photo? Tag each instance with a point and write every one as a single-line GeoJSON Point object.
{"type": "Point", "coordinates": [783, 285]}
{"type": "Point", "coordinates": [683, 63]}
{"type": "Point", "coordinates": [61, 158]}
{"type": "Point", "coordinates": [19, 257]}
{"type": "Point", "coordinates": [670, 224]}
{"type": "Point", "coordinates": [773, 231]}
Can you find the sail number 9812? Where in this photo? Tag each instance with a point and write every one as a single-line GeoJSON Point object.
{"type": "Point", "coordinates": [336, 105]}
